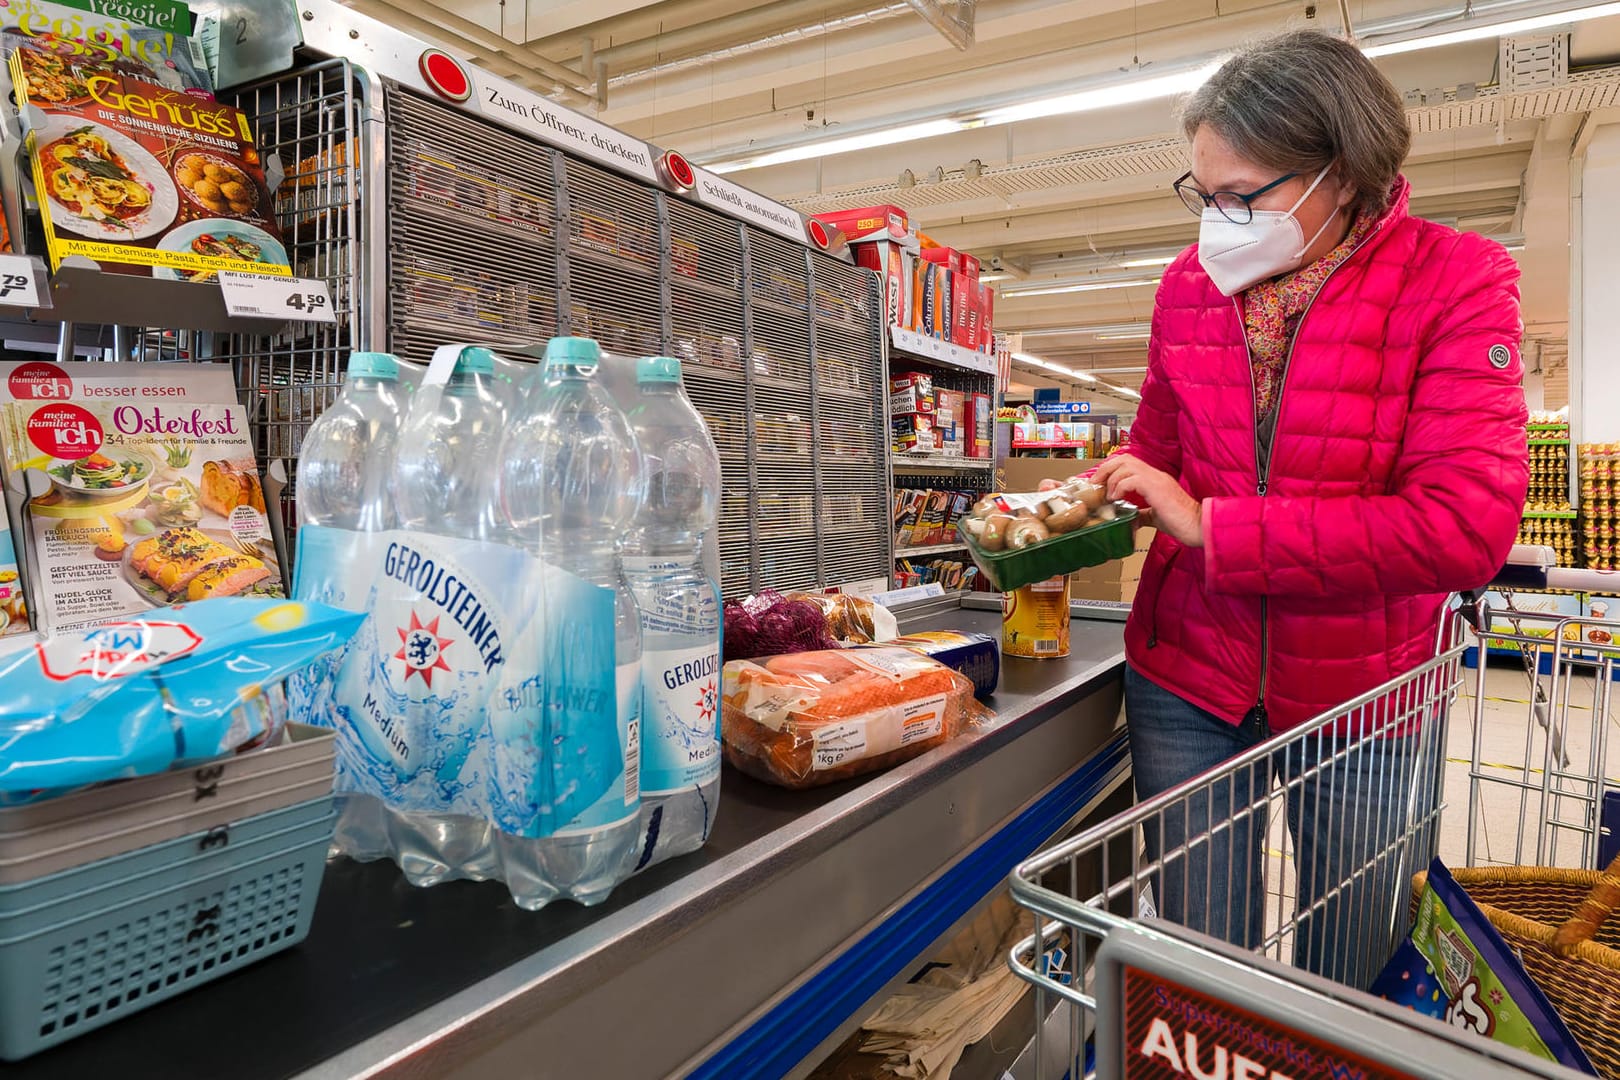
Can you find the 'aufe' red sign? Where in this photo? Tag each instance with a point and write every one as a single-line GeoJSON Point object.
{"type": "Point", "coordinates": [1172, 1032]}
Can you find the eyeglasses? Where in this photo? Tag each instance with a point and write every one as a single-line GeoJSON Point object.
{"type": "Point", "coordinates": [1233, 205]}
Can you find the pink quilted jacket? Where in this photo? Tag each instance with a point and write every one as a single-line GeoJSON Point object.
{"type": "Point", "coordinates": [1397, 474]}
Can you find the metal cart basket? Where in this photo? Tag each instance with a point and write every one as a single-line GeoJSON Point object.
{"type": "Point", "coordinates": [1237, 855]}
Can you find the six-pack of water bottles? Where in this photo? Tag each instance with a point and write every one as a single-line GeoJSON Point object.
{"type": "Point", "coordinates": [534, 695]}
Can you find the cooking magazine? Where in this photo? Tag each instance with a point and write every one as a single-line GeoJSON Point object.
{"type": "Point", "coordinates": [134, 486]}
{"type": "Point", "coordinates": [137, 178]}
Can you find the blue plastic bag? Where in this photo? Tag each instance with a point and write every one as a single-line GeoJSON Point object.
{"type": "Point", "coordinates": [140, 695]}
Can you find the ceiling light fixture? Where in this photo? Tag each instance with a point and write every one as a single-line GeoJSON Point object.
{"type": "Point", "coordinates": [1035, 361]}
{"type": "Point", "coordinates": [1156, 260]}
{"type": "Point", "coordinates": [1479, 28]}
{"type": "Point", "coordinates": [926, 129]}
{"type": "Point", "coordinates": [1078, 286]}
{"type": "Point", "coordinates": [1131, 91]}
{"type": "Point", "coordinates": [1134, 335]}
{"type": "Point", "coordinates": [1092, 330]}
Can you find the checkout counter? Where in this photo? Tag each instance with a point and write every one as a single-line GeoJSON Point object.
{"type": "Point", "coordinates": [755, 957]}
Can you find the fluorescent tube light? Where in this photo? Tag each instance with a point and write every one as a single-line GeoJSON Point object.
{"type": "Point", "coordinates": [1120, 92]}
{"type": "Point", "coordinates": [1135, 335]}
{"type": "Point", "coordinates": [927, 129]}
{"type": "Point", "coordinates": [1479, 29]}
{"type": "Point", "coordinates": [1129, 92]}
{"type": "Point", "coordinates": [1122, 391]}
{"type": "Point", "coordinates": [1156, 260]}
{"type": "Point", "coordinates": [1035, 361]}
{"type": "Point", "coordinates": [1077, 287]}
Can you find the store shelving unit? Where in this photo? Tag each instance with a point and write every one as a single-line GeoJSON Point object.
{"type": "Point", "coordinates": [929, 549]}
{"type": "Point", "coordinates": [1548, 516]}
{"type": "Point", "coordinates": [433, 226]}
{"type": "Point", "coordinates": [952, 368]}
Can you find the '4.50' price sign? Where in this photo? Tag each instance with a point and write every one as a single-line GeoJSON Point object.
{"type": "Point", "coordinates": [257, 296]}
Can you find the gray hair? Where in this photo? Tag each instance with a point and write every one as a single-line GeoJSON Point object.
{"type": "Point", "coordinates": [1301, 101]}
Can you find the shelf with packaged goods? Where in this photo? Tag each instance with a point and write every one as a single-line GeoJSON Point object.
{"type": "Point", "coordinates": [915, 346]}
{"type": "Point", "coordinates": [1550, 442]}
{"type": "Point", "coordinates": [1053, 444]}
{"type": "Point", "coordinates": [902, 460]}
{"type": "Point", "coordinates": [931, 549]}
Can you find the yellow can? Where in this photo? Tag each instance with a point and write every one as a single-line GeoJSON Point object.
{"type": "Point", "coordinates": [1035, 620]}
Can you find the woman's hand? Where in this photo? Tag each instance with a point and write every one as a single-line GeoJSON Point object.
{"type": "Point", "coordinates": [1174, 511]}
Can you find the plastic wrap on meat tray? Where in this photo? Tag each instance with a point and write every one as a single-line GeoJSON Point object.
{"type": "Point", "coordinates": [806, 719]}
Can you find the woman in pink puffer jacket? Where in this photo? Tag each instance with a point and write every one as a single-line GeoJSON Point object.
{"type": "Point", "coordinates": [1331, 438]}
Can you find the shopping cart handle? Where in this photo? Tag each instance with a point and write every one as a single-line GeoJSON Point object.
{"type": "Point", "coordinates": [1527, 568]}
{"type": "Point", "coordinates": [1532, 566]}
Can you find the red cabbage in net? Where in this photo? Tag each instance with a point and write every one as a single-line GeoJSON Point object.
{"type": "Point", "coordinates": [769, 625]}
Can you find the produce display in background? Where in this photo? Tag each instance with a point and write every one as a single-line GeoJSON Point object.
{"type": "Point", "coordinates": [134, 487]}
{"type": "Point", "coordinates": [1549, 519]}
{"type": "Point", "coordinates": [1600, 508]}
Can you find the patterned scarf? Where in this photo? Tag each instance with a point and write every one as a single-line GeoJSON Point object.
{"type": "Point", "coordinates": [1271, 314]}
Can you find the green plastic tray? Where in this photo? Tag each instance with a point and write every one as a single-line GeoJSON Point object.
{"type": "Point", "coordinates": [1094, 545]}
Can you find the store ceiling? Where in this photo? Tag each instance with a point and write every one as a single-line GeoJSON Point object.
{"type": "Point", "coordinates": [1059, 200]}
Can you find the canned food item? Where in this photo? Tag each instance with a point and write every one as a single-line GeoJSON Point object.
{"type": "Point", "coordinates": [1035, 620]}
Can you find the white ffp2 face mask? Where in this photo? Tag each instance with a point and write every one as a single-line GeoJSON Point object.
{"type": "Point", "coordinates": [1271, 243]}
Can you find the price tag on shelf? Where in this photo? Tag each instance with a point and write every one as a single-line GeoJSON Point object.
{"type": "Point", "coordinates": [22, 280]}
{"type": "Point", "coordinates": [259, 296]}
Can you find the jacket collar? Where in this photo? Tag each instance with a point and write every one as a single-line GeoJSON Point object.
{"type": "Point", "coordinates": [1400, 208]}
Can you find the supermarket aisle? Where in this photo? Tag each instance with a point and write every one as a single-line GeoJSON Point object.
{"type": "Point", "coordinates": [1511, 739]}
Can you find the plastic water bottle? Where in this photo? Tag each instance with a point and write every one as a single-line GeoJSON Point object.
{"type": "Point", "coordinates": [345, 462]}
{"type": "Point", "coordinates": [443, 487]}
{"type": "Point", "coordinates": [345, 480]}
{"type": "Point", "coordinates": [679, 604]}
{"type": "Point", "coordinates": [570, 486]}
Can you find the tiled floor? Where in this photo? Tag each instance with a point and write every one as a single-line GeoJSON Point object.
{"type": "Point", "coordinates": [1512, 825]}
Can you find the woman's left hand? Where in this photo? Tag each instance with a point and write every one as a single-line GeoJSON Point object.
{"type": "Point", "coordinates": [1174, 511]}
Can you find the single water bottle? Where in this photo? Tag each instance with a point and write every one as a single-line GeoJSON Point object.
{"type": "Point", "coordinates": [570, 485]}
{"type": "Point", "coordinates": [440, 677]}
{"type": "Point", "coordinates": [679, 605]}
{"type": "Point", "coordinates": [345, 474]}
{"type": "Point", "coordinates": [346, 461]}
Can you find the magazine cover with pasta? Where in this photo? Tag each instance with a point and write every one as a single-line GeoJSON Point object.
{"type": "Point", "coordinates": [134, 177]}
{"type": "Point", "coordinates": [135, 487]}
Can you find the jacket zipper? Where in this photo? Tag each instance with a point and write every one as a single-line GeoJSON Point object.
{"type": "Point", "coordinates": [1262, 462]}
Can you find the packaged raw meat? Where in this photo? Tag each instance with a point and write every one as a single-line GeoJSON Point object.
{"type": "Point", "coordinates": [808, 719]}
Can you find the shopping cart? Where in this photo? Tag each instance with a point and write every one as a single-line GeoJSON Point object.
{"type": "Point", "coordinates": [1117, 986]}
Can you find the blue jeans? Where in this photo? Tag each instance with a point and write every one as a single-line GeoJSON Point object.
{"type": "Point", "coordinates": [1355, 845]}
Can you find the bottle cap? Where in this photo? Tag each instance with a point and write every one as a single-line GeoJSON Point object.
{"type": "Point", "coordinates": [658, 369]}
{"type": "Point", "coordinates": [373, 365]}
{"type": "Point", "coordinates": [475, 361]}
{"type": "Point", "coordinates": [561, 351]}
